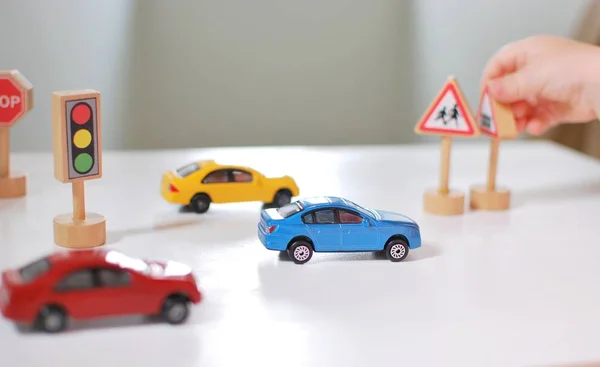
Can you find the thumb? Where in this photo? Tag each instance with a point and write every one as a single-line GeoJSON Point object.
{"type": "Point", "coordinates": [514, 87]}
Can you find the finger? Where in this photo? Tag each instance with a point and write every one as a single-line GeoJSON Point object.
{"type": "Point", "coordinates": [508, 59]}
{"type": "Point", "coordinates": [543, 119]}
{"type": "Point", "coordinates": [522, 85]}
{"type": "Point", "coordinates": [521, 124]}
{"type": "Point", "coordinates": [537, 127]}
{"type": "Point", "coordinates": [521, 109]}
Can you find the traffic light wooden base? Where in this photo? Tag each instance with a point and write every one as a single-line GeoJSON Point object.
{"type": "Point", "coordinates": [80, 234]}
{"type": "Point", "coordinates": [452, 203]}
{"type": "Point", "coordinates": [485, 199]}
{"type": "Point", "coordinates": [14, 186]}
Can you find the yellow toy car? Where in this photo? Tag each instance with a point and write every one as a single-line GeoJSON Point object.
{"type": "Point", "coordinates": [201, 183]}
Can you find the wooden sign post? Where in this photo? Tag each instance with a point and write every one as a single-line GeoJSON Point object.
{"type": "Point", "coordinates": [16, 99]}
{"type": "Point", "coordinates": [496, 121]}
{"type": "Point", "coordinates": [76, 134]}
{"type": "Point", "coordinates": [448, 116]}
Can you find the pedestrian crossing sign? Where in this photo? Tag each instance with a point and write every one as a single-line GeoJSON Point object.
{"type": "Point", "coordinates": [449, 114]}
{"type": "Point", "coordinates": [495, 119]}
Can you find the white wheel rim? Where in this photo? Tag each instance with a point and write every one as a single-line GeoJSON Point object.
{"type": "Point", "coordinates": [397, 251]}
{"type": "Point", "coordinates": [53, 321]}
{"type": "Point", "coordinates": [301, 253]}
{"type": "Point", "coordinates": [177, 312]}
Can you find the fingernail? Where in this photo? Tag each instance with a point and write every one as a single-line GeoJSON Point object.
{"type": "Point", "coordinates": [536, 128]}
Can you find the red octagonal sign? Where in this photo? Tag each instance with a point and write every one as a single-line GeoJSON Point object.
{"type": "Point", "coordinates": [16, 97]}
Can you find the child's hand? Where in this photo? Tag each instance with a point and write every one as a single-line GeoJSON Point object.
{"type": "Point", "coordinates": [546, 80]}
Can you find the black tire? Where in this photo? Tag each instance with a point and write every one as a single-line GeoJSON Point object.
{"type": "Point", "coordinates": [396, 250]}
{"type": "Point", "coordinates": [52, 319]}
{"type": "Point", "coordinates": [175, 310]}
{"type": "Point", "coordinates": [300, 251]}
{"type": "Point", "coordinates": [200, 203]}
{"type": "Point", "coordinates": [283, 197]}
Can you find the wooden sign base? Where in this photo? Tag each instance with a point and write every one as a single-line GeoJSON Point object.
{"type": "Point", "coordinates": [14, 186]}
{"type": "Point", "coordinates": [79, 230]}
{"type": "Point", "coordinates": [79, 234]}
{"type": "Point", "coordinates": [484, 199]}
{"type": "Point", "coordinates": [452, 203]}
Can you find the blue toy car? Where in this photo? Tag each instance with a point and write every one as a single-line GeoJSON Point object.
{"type": "Point", "coordinates": [333, 224]}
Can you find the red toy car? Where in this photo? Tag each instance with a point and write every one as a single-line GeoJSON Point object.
{"type": "Point", "coordinates": [96, 283]}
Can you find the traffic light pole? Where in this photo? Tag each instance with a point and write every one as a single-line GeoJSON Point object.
{"type": "Point", "coordinates": [4, 152]}
{"type": "Point", "coordinates": [79, 200]}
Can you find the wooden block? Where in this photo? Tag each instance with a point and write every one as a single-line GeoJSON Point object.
{"type": "Point", "coordinates": [452, 203]}
{"type": "Point", "coordinates": [80, 234]}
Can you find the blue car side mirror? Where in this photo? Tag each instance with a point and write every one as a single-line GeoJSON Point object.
{"type": "Point", "coordinates": [366, 223]}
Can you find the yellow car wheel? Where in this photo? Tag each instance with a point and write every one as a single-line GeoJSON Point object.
{"type": "Point", "coordinates": [283, 197]}
{"type": "Point", "coordinates": [200, 203]}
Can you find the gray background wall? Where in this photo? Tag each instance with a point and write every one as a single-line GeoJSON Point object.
{"type": "Point", "coordinates": [177, 74]}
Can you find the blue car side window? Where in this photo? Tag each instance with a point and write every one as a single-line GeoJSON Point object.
{"type": "Point", "coordinates": [348, 217]}
{"type": "Point", "coordinates": [308, 218]}
{"type": "Point", "coordinates": [326, 216]}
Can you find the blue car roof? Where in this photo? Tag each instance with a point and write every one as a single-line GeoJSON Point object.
{"type": "Point", "coordinates": [322, 200]}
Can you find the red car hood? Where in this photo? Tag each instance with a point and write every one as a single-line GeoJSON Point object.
{"type": "Point", "coordinates": [10, 277]}
{"type": "Point", "coordinates": [169, 270]}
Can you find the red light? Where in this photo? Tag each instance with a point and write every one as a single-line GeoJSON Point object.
{"type": "Point", "coordinates": [271, 229]}
{"type": "Point", "coordinates": [81, 114]}
{"type": "Point", "coordinates": [173, 188]}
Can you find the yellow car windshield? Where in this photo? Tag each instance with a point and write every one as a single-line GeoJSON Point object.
{"type": "Point", "coordinates": [188, 169]}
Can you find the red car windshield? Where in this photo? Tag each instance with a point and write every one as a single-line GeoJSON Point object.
{"type": "Point", "coordinates": [34, 270]}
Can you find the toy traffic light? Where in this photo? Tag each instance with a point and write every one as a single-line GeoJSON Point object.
{"type": "Point", "coordinates": [77, 118]}
{"type": "Point", "coordinates": [76, 129]}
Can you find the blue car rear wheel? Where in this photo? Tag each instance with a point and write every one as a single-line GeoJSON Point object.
{"type": "Point", "coordinates": [300, 252]}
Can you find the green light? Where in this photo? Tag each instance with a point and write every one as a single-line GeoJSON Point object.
{"type": "Point", "coordinates": [83, 163]}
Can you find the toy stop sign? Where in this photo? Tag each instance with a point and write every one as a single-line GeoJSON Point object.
{"type": "Point", "coordinates": [16, 97]}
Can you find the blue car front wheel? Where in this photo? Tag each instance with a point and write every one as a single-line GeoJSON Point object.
{"type": "Point", "coordinates": [396, 250]}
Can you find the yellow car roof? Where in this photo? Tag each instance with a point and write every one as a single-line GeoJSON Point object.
{"type": "Point", "coordinates": [212, 164]}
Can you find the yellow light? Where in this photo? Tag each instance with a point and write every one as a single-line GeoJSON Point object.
{"type": "Point", "coordinates": [82, 138]}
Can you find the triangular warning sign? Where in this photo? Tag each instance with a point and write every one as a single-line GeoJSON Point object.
{"type": "Point", "coordinates": [495, 119]}
{"type": "Point", "coordinates": [449, 114]}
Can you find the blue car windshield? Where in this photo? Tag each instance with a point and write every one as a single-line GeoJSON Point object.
{"type": "Point", "coordinates": [290, 209]}
{"type": "Point", "coordinates": [365, 211]}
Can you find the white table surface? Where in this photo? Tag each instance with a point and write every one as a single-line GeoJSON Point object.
{"type": "Point", "coordinates": [516, 288]}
